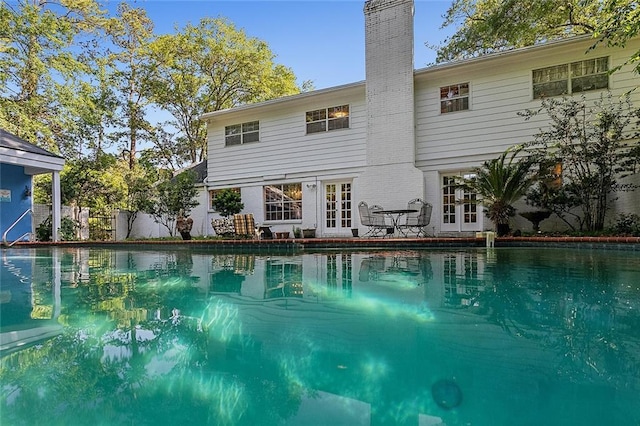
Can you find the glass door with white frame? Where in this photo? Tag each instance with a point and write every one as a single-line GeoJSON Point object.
{"type": "Point", "coordinates": [338, 207]}
{"type": "Point", "coordinates": [460, 213]}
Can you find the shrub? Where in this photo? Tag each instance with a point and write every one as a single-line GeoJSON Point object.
{"type": "Point", "coordinates": [227, 202]}
{"type": "Point", "coordinates": [627, 224]}
{"type": "Point", "coordinates": [68, 228]}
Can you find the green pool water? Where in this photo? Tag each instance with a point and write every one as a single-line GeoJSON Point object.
{"type": "Point", "coordinates": [184, 336]}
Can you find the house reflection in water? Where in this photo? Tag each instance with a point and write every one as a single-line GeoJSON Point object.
{"type": "Point", "coordinates": [318, 276]}
{"type": "Point", "coordinates": [304, 321]}
{"type": "Point", "coordinates": [463, 278]}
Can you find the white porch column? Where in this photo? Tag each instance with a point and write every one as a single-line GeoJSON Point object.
{"type": "Point", "coordinates": [57, 282]}
{"type": "Point", "coordinates": [56, 206]}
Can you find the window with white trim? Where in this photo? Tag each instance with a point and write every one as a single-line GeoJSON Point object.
{"type": "Point", "coordinates": [283, 278]}
{"type": "Point", "coordinates": [454, 98]}
{"type": "Point", "coordinates": [576, 77]}
{"type": "Point", "coordinates": [283, 202]}
{"type": "Point", "coordinates": [327, 119]}
{"type": "Point", "coordinates": [238, 134]}
{"type": "Point", "coordinates": [213, 193]}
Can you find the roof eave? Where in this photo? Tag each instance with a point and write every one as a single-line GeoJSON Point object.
{"type": "Point", "coordinates": [496, 55]}
{"type": "Point", "coordinates": [285, 99]}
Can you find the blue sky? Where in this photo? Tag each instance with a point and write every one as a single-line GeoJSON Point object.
{"type": "Point", "coordinates": [321, 41]}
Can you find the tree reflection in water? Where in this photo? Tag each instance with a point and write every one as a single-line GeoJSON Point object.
{"type": "Point", "coordinates": [582, 312]}
{"type": "Point", "coordinates": [175, 336]}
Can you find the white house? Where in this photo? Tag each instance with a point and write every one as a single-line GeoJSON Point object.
{"type": "Point", "coordinates": [307, 160]}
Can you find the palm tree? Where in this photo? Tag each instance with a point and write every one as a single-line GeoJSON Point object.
{"type": "Point", "coordinates": [499, 183]}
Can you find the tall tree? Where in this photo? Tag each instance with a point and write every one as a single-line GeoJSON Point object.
{"type": "Point", "coordinates": [208, 67]}
{"type": "Point", "coordinates": [40, 63]}
{"type": "Point", "coordinates": [131, 32]}
{"type": "Point", "coordinates": [87, 111]}
{"type": "Point", "coordinates": [486, 26]}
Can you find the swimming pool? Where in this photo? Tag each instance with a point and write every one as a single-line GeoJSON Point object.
{"type": "Point", "coordinates": [526, 336]}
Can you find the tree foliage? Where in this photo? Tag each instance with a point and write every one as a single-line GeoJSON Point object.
{"type": "Point", "coordinates": [93, 183]}
{"type": "Point", "coordinates": [620, 22]}
{"type": "Point", "coordinates": [41, 64]}
{"type": "Point", "coordinates": [208, 67]}
{"type": "Point", "coordinates": [174, 197]}
{"type": "Point", "coordinates": [84, 84]}
{"type": "Point", "coordinates": [500, 182]}
{"type": "Point", "coordinates": [584, 155]}
{"type": "Point", "coordinates": [131, 32]}
{"type": "Point", "coordinates": [487, 26]}
{"type": "Point", "coordinates": [136, 198]}
{"type": "Point", "coordinates": [227, 202]}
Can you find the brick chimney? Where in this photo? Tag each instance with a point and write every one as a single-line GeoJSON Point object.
{"type": "Point", "coordinates": [391, 178]}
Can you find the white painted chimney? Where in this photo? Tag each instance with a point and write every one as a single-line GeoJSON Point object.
{"type": "Point", "coordinates": [391, 178]}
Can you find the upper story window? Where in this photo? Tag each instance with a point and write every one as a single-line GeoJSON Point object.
{"type": "Point", "coordinates": [323, 120]}
{"type": "Point", "coordinates": [242, 133]}
{"type": "Point", "coordinates": [454, 98]}
{"type": "Point", "coordinates": [283, 202]}
{"type": "Point", "coordinates": [576, 77]}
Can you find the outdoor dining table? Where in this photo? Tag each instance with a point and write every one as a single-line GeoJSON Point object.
{"type": "Point", "coordinates": [395, 215]}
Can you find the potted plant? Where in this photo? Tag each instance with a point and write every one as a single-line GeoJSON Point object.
{"type": "Point", "coordinates": [309, 233]}
{"type": "Point", "coordinates": [297, 232]}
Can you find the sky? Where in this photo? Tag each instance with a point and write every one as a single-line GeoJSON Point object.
{"type": "Point", "coordinates": [321, 41]}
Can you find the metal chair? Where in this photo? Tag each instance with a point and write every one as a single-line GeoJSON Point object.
{"type": "Point", "coordinates": [375, 222]}
{"type": "Point", "coordinates": [417, 222]}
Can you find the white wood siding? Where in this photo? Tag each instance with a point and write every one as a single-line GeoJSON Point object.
{"type": "Point", "coordinates": [284, 147]}
{"type": "Point", "coordinates": [499, 89]}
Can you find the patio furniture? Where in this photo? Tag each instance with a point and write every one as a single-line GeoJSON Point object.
{"type": "Point", "coordinates": [223, 226]}
{"type": "Point", "coordinates": [395, 215]}
{"type": "Point", "coordinates": [244, 225]}
{"type": "Point", "coordinates": [375, 222]}
{"type": "Point", "coordinates": [417, 222]}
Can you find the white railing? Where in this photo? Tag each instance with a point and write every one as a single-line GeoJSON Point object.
{"type": "Point", "coordinates": [4, 236]}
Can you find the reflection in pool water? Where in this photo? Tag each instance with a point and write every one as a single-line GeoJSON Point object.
{"type": "Point", "coordinates": [456, 337]}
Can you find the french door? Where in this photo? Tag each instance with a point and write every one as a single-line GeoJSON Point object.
{"type": "Point", "coordinates": [338, 207]}
{"type": "Point", "coordinates": [459, 211]}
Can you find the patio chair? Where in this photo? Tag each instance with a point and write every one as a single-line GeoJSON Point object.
{"type": "Point", "coordinates": [417, 222]}
{"type": "Point", "coordinates": [375, 222]}
{"type": "Point", "coordinates": [244, 225]}
{"type": "Point", "coordinates": [411, 219]}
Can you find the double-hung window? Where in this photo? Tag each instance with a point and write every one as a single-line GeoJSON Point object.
{"type": "Point", "coordinates": [576, 77]}
{"type": "Point", "coordinates": [283, 202]}
{"type": "Point", "coordinates": [238, 134]}
{"type": "Point", "coordinates": [454, 98]}
{"type": "Point", "coordinates": [327, 119]}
